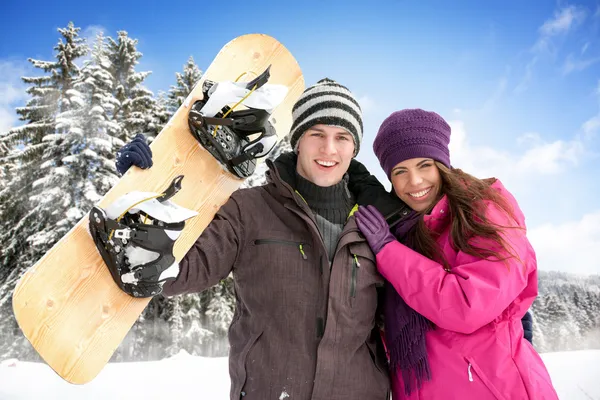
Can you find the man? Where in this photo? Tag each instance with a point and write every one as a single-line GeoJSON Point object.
{"type": "Point", "coordinates": [305, 278]}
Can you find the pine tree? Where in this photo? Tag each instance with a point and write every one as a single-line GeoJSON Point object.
{"type": "Point", "coordinates": [27, 195]}
{"type": "Point", "coordinates": [7, 169]}
{"type": "Point", "coordinates": [197, 335]}
{"type": "Point", "coordinates": [580, 310]}
{"type": "Point", "coordinates": [29, 223]}
{"type": "Point", "coordinates": [86, 142]}
{"type": "Point", "coordinates": [220, 308]}
{"type": "Point", "coordinates": [176, 325]}
{"type": "Point", "coordinates": [186, 81]}
{"type": "Point", "coordinates": [159, 116]}
{"type": "Point", "coordinates": [135, 102]}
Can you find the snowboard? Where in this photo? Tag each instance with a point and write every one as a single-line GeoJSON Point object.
{"type": "Point", "coordinates": [67, 304]}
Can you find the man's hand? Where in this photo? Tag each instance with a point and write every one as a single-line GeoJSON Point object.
{"type": "Point", "coordinates": [137, 152]}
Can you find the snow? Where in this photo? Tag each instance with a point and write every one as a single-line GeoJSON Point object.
{"type": "Point", "coordinates": [74, 213]}
{"type": "Point", "coordinates": [574, 375]}
{"type": "Point", "coordinates": [179, 377]}
{"type": "Point", "coordinates": [97, 110]}
{"type": "Point", "coordinates": [77, 100]}
{"type": "Point", "coordinates": [39, 239]}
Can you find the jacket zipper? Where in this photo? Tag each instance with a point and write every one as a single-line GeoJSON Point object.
{"type": "Point", "coordinates": [470, 374]}
{"type": "Point", "coordinates": [284, 242]}
{"type": "Point", "coordinates": [300, 246]}
{"type": "Point", "coordinates": [472, 365]}
{"type": "Point", "coordinates": [355, 266]}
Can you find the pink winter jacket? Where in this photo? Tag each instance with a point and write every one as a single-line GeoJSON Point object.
{"type": "Point", "coordinates": [477, 349]}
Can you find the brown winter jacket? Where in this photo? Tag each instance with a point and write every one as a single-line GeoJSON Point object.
{"type": "Point", "coordinates": [301, 327]}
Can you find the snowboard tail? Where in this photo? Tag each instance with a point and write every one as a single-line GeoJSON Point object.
{"type": "Point", "coordinates": [67, 304]}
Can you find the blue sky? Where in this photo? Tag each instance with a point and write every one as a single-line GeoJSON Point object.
{"type": "Point", "coordinates": [518, 81]}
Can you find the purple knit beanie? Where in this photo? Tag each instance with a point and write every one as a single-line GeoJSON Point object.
{"type": "Point", "coordinates": [412, 133]}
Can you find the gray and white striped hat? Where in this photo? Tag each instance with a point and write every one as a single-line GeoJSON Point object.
{"type": "Point", "coordinates": [328, 103]}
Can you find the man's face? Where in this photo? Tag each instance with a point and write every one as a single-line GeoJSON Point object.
{"type": "Point", "coordinates": [324, 154]}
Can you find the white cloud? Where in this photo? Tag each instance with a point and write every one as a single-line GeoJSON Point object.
{"type": "Point", "coordinates": [591, 126]}
{"type": "Point", "coordinates": [524, 84]}
{"type": "Point", "coordinates": [585, 47]}
{"type": "Point", "coordinates": [550, 158]}
{"type": "Point", "coordinates": [572, 64]}
{"type": "Point", "coordinates": [564, 19]}
{"type": "Point", "coordinates": [571, 246]}
{"type": "Point", "coordinates": [12, 92]}
{"type": "Point", "coordinates": [538, 158]}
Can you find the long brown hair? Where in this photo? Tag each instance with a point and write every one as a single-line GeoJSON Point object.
{"type": "Point", "coordinates": [466, 195]}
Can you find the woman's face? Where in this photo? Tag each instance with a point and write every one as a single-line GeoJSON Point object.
{"type": "Point", "coordinates": [417, 182]}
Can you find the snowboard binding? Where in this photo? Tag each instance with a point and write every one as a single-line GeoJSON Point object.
{"type": "Point", "coordinates": [226, 134]}
{"type": "Point", "coordinates": [135, 237]}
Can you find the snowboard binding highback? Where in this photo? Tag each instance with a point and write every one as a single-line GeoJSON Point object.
{"type": "Point", "coordinates": [135, 237]}
{"type": "Point", "coordinates": [226, 133]}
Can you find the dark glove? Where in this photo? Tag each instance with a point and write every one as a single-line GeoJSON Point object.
{"type": "Point", "coordinates": [137, 152]}
{"type": "Point", "coordinates": [527, 322]}
{"type": "Point", "coordinates": [368, 190]}
{"type": "Point", "coordinates": [373, 225]}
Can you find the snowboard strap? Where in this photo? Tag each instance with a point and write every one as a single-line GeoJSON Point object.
{"type": "Point", "coordinates": [116, 239]}
{"type": "Point", "coordinates": [227, 135]}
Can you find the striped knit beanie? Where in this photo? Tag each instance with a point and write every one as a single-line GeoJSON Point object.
{"type": "Point", "coordinates": [328, 103]}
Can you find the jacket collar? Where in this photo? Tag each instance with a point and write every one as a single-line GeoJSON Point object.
{"type": "Point", "coordinates": [366, 189]}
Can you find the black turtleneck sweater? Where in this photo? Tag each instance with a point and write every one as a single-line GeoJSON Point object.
{"type": "Point", "coordinates": [330, 205]}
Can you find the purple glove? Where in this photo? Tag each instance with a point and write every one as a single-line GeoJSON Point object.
{"type": "Point", "coordinates": [374, 226]}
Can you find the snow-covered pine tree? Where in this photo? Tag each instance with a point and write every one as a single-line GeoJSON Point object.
{"type": "Point", "coordinates": [175, 325]}
{"type": "Point", "coordinates": [7, 168]}
{"type": "Point", "coordinates": [539, 339]}
{"type": "Point", "coordinates": [159, 115]}
{"type": "Point", "coordinates": [49, 97]}
{"type": "Point", "coordinates": [101, 130]}
{"type": "Point", "coordinates": [566, 312]}
{"type": "Point", "coordinates": [580, 309]}
{"type": "Point", "coordinates": [220, 308]}
{"type": "Point", "coordinates": [590, 314]}
{"type": "Point", "coordinates": [29, 217]}
{"type": "Point", "coordinates": [85, 142]}
{"type": "Point", "coordinates": [136, 103]}
{"type": "Point", "coordinates": [197, 335]}
{"type": "Point", "coordinates": [185, 83]}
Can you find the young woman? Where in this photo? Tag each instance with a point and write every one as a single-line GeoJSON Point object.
{"type": "Point", "coordinates": [460, 271]}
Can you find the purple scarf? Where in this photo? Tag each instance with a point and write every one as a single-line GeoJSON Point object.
{"type": "Point", "coordinates": [404, 327]}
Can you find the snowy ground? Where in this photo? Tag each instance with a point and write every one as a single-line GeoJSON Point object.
{"type": "Point", "coordinates": [576, 376]}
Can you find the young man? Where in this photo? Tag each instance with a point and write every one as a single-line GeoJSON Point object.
{"type": "Point", "coordinates": [305, 278]}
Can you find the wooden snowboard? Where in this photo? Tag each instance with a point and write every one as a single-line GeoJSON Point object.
{"type": "Point", "coordinates": [67, 304]}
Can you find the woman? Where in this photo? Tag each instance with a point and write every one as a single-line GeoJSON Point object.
{"type": "Point", "coordinates": [461, 269]}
